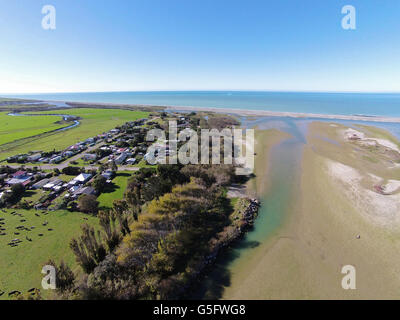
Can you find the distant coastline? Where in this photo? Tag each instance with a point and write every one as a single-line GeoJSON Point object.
{"type": "Point", "coordinates": [383, 105]}
{"type": "Point", "coordinates": [341, 100]}
{"type": "Point", "coordinates": [242, 112]}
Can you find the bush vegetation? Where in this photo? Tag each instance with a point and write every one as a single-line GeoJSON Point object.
{"type": "Point", "coordinates": [155, 241]}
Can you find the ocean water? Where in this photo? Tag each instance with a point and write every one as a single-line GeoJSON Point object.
{"type": "Point", "coordinates": [371, 104]}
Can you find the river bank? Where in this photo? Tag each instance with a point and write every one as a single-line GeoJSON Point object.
{"type": "Point", "coordinates": [244, 215]}
{"type": "Point", "coordinates": [277, 186]}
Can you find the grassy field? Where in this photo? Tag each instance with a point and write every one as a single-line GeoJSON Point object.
{"type": "Point", "coordinates": [21, 266]}
{"type": "Point", "coordinates": [18, 127]}
{"type": "Point", "coordinates": [93, 121]}
{"type": "Point", "coordinates": [116, 191]}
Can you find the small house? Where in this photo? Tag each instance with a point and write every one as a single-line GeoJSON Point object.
{"type": "Point", "coordinates": [85, 190]}
{"type": "Point", "coordinates": [40, 184]}
{"type": "Point", "coordinates": [34, 157]}
{"type": "Point", "coordinates": [56, 159]}
{"type": "Point", "coordinates": [89, 157]}
{"type": "Point", "coordinates": [83, 178]}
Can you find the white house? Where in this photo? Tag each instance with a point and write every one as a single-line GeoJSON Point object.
{"type": "Point", "coordinates": [83, 178]}
{"type": "Point", "coordinates": [52, 184]}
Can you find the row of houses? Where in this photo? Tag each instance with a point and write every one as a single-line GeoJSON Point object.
{"type": "Point", "coordinates": [53, 187]}
{"type": "Point", "coordinates": [74, 188]}
{"type": "Point", "coordinates": [57, 157]}
{"type": "Point", "coordinates": [119, 155]}
{"type": "Point", "coordinates": [122, 156]}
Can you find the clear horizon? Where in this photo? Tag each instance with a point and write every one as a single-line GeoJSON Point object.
{"type": "Point", "coordinates": [4, 94]}
{"type": "Point", "coordinates": [136, 46]}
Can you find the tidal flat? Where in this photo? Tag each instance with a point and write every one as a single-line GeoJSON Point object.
{"type": "Point", "coordinates": [321, 210]}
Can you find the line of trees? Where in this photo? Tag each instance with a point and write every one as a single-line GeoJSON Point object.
{"type": "Point", "coordinates": [152, 243]}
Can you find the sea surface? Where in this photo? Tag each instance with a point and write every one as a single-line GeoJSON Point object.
{"type": "Point", "coordinates": [371, 104]}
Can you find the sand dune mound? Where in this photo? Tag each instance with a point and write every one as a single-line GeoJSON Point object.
{"type": "Point", "coordinates": [392, 186]}
{"type": "Point", "coordinates": [355, 135]}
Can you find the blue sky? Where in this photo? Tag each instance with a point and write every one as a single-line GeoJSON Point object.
{"type": "Point", "coordinates": [288, 45]}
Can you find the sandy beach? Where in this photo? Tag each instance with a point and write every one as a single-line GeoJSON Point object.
{"type": "Point", "coordinates": [266, 113]}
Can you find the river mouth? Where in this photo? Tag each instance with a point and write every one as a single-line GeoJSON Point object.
{"type": "Point", "coordinates": [283, 182]}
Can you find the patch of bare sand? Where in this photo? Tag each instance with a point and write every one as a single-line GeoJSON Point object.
{"type": "Point", "coordinates": [352, 134]}
{"type": "Point", "coordinates": [382, 209]}
{"type": "Point", "coordinates": [392, 186]}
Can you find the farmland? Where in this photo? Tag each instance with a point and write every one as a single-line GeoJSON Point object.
{"type": "Point", "coordinates": [21, 265]}
{"type": "Point", "coordinates": [92, 122]}
{"type": "Point", "coordinates": [14, 128]}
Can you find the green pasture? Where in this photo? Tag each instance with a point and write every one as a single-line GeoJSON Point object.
{"type": "Point", "coordinates": [21, 265]}
{"type": "Point", "coordinates": [19, 127]}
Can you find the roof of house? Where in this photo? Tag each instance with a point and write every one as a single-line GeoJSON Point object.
{"type": "Point", "coordinates": [19, 173]}
{"type": "Point", "coordinates": [36, 155]}
{"type": "Point", "coordinates": [23, 181]}
{"type": "Point", "coordinates": [83, 177]}
{"type": "Point", "coordinates": [53, 183]}
{"type": "Point", "coordinates": [74, 188]}
{"type": "Point", "coordinates": [86, 190]}
{"type": "Point", "coordinates": [41, 183]}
